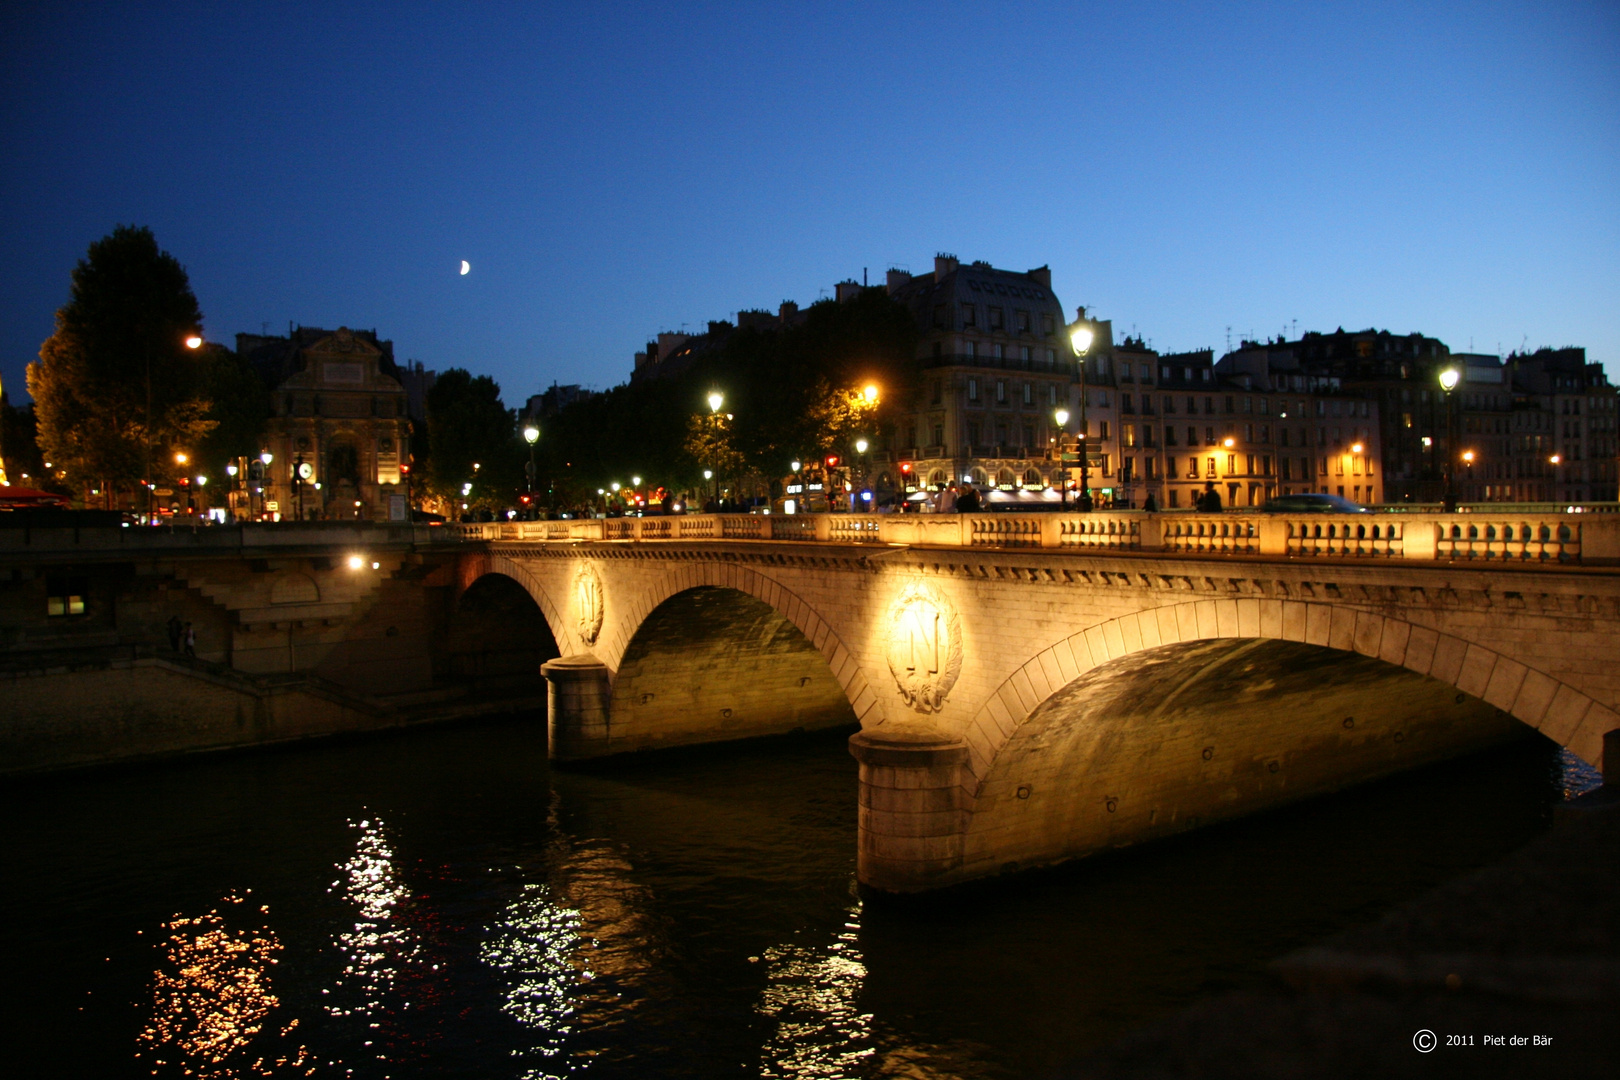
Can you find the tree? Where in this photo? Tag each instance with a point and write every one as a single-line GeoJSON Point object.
{"type": "Point", "coordinates": [116, 389]}
{"type": "Point", "coordinates": [239, 406]}
{"type": "Point", "coordinates": [469, 426]}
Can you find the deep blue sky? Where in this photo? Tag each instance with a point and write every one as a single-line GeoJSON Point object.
{"type": "Point", "coordinates": [614, 170]}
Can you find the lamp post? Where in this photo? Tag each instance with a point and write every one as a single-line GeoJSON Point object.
{"type": "Point", "coordinates": [1449, 378]}
{"type": "Point", "coordinates": [1468, 476]}
{"type": "Point", "coordinates": [1062, 418]}
{"type": "Point", "coordinates": [1080, 339]}
{"type": "Point", "coordinates": [531, 435]}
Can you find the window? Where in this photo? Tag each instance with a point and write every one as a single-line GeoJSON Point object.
{"type": "Point", "coordinates": [972, 350]}
{"type": "Point", "coordinates": [942, 317]}
{"type": "Point", "coordinates": [64, 596]}
{"type": "Point", "coordinates": [1209, 436]}
{"type": "Point", "coordinates": [1248, 433]}
{"type": "Point", "coordinates": [1051, 357]}
{"type": "Point", "coordinates": [1047, 326]}
{"type": "Point", "coordinates": [1026, 354]}
{"type": "Point", "coordinates": [1248, 404]}
{"type": "Point", "coordinates": [1192, 406]}
{"type": "Point", "coordinates": [967, 315]}
{"type": "Point", "coordinates": [1229, 405]}
{"type": "Point", "coordinates": [1001, 391]}
{"type": "Point", "coordinates": [1192, 436]}
{"type": "Point", "coordinates": [1169, 435]}
{"type": "Point", "coordinates": [995, 318]}
{"type": "Point", "coordinates": [1051, 393]}
{"type": "Point", "coordinates": [1152, 468]}
{"type": "Point", "coordinates": [936, 392]}
{"type": "Point", "coordinates": [1029, 435]}
{"type": "Point", "coordinates": [1125, 404]}
{"type": "Point", "coordinates": [1023, 322]}
{"type": "Point", "coordinates": [1169, 405]}
{"type": "Point", "coordinates": [911, 435]}
{"type": "Point", "coordinates": [1210, 471]}
{"type": "Point", "coordinates": [999, 351]}
{"type": "Point", "coordinates": [1001, 435]}
{"type": "Point", "coordinates": [1128, 433]}
{"type": "Point", "coordinates": [1231, 464]}
{"type": "Point", "coordinates": [939, 434]}
{"type": "Point", "coordinates": [1029, 391]}
{"type": "Point", "coordinates": [973, 390]}
{"type": "Point", "coordinates": [973, 433]}
{"type": "Point", "coordinates": [1104, 429]}
{"type": "Point", "coordinates": [1192, 468]}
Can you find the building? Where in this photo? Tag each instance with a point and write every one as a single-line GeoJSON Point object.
{"type": "Point", "coordinates": [548, 403]}
{"type": "Point", "coordinates": [338, 432]}
{"type": "Point", "coordinates": [996, 365]}
{"type": "Point", "coordinates": [1500, 427]}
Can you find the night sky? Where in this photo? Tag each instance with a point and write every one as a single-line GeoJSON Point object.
{"type": "Point", "coordinates": [611, 171]}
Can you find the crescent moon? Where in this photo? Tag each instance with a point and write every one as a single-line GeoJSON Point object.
{"type": "Point", "coordinates": [466, 267]}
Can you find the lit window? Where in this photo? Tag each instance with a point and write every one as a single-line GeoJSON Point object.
{"type": "Point", "coordinates": [64, 596]}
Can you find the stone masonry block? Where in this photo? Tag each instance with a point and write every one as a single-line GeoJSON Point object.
{"type": "Point", "coordinates": [1392, 645]}
{"type": "Point", "coordinates": [1186, 621]}
{"type": "Point", "coordinates": [1271, 618]}
{"type": "Point", "coordinates": [1369, 633]}
{"type": "Point", "coordinates": [1535, 694]}
{"type": "Point", "coordinates": [1147, 623]}
{"type": "Point", "coordinates": [1130, 632]}
{"type": "Point", "coordinates": [1318, 623]}
{"type": "Point", "coordinates": [1063, 654]}
{"type": "Point", "coordinates": [1449, 653]}
{"type": "Point", "coordinates": [1169, 624]}
{"type": "Point", "coordinates": [1204, 613]}
{"type": "Point", "coordinates": [1098, 646]}
{"type": "Point", "coordinates": [1051, 678]}
{"type": "Point", "coordinates": [1014, 709]}
{"type": "Point", "coordinates": [1295, 620]}
{"type": "Point", "coordinates": [1248, 617]}
{"type": "Point", "coordinates": [1113, 640]}
{"type": "Point", "coordinates": [1421, 644]}
{"type": "Point", "coordinates": [1569, 707]}
{"type": "Point", "coordinates": [1226, 618]}
{"type": "Point", "coordinates": [1506, 678]}
{"type": "Point", "coordinates": [1342, 630]}
{"type": "Point", "coordinates": [1475, 674]}
{"type": "Point", "coordinates": [1587, 742]}
{"type": "Point", "coordinates": [1028, 698]}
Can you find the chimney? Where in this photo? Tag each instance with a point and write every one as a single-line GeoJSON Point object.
{"type": "Point", "coordinates": [897, 278]}
{"type": "Point", "coordinates": [944, 264]}
{"type": "Point", "coordinates": [847, 290]}
{"type": "Point", "coordinates": [1042, 274]}
{"type": "Point", "coordinates": [787, 310]}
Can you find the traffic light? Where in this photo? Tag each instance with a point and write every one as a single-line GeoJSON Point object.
{"type": "Point", "coordinates": [832, 461]}
{"type": "Point", "coordinates": [905, 466]}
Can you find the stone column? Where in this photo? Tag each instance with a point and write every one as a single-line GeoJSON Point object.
{"type": "Point", "coordinates": [577, 697]}
{"type": "Point", "coordinates": [912, 816]}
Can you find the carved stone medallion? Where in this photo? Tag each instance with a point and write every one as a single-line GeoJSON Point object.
{"type": "Point", "coordinates": [925, 647]}
{"type": "Point", "coordinates": [588, 603]}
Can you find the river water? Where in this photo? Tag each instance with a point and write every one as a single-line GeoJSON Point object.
{"type": "Point", "coordinates": [441, 903]}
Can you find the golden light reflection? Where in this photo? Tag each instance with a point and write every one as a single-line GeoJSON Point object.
{"type": "Point", "coordinates": [212, 1000]}
{"type": "Point", "coordinates": [535, 947]}
{"type": "Point", "coordinates": [811, 994]}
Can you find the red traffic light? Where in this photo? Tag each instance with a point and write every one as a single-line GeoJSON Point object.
{"type": "Point", "coordinates": [905, 466]}
{"type": "Point", "coordinates": [525, 500]}
{"type": "Point", "coordinates": [832, 461]}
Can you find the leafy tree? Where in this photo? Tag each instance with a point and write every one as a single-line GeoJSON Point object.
{"type": "Point", "coordinates": [239, 406]}
{"type": "Point", "coordinates": [469, 425]}
{"type": "Point", "coordinates": [20, 449]}
{"type": "Point", "coordinates": [115, 388]}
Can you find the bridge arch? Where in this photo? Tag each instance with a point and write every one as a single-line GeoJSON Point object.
{"type": "Point", "coordinates": [471, 567]}
{"type": "Point", "coordinates": [628, 614]}
{"type": "Point", "coordinates": [1563, 713]}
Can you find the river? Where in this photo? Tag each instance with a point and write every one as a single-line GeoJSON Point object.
{"type": "Point", "coordinates": [440, 902]}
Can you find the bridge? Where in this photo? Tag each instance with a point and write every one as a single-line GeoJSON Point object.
{"type": "Point", "coordinates": [1028, 688]}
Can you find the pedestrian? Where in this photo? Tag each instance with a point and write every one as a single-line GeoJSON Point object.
{"type": "Point", "coordinates": [1151, 505]}
{"type": "Point", "coordinates": [174, 628]}
{"type": "Point", "coordinates": [191, 641]}
{"type": "Point", "coordinates": [1210, 501]}
{"type": "Point", "coordinates": [968, 501]}
{"type": "Point", "coordinates": [949, 498]}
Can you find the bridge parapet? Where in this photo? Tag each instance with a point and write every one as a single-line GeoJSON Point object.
{"type": "Point", "coordinates": [1512, 536]}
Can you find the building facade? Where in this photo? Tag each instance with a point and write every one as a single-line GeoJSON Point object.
{"type": "Point", "coordinates": [338, 434]}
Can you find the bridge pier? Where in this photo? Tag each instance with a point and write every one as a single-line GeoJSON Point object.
{"type": "Point", "coordinates": [577, 703]}
{"type": "Point", "coordinates": [912, 806]}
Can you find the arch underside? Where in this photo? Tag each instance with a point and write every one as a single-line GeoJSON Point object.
{"type": "Point", "coordinates": [1176, 736]}
{"type": "Point", "coordinates": [495, 639]}
{"type": "Point", "coordinates": [711, 664]}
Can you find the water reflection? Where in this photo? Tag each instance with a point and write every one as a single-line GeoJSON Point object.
{"type": "Point", "coordinates": [381, 951]}
{"type": "Point", "coordinates": [212, 999]}
{"type": "Point", "coordinates": [811, 994]}
{"type": "Point", "coordinates": [1574, 776]}
{"type": "Point", "coordinates": [534, 946]}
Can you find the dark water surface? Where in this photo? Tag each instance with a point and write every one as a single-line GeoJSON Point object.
{"type": "Point", "coordinates": [440, 903]}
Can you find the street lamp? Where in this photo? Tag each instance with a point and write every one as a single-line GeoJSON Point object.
{"type": "Point", "coordinates": [1449, 378]}
{"type": "Point", "coordinates": [716, 399]}
{"type": "Point", "coordinates": [1062, 418]}
{"type": "Point", "coordinates": [870, 393]}
{"type": "Point", "coordinates": [1081, 336]}
{"type": "Point", "coordinates": [531, 435]}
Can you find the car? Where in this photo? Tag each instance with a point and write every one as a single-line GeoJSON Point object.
{"type": "Point", "coordinates": [1311, 503]}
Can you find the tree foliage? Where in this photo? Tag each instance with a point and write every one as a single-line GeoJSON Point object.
{"type": "Point", "coordinates": [792, 393]}
{"type": "Point", "coordinates": [115, 388]}
{"type": "Point", "coordinates": [469, 425]}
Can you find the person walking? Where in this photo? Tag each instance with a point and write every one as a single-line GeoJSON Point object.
{"type": "Point", "coordinates": [191, 641]}
{"type": "Point", "coordinates": [968, 501]}
{"type": "Point", "coordinates": [1151, 506]}
{"type": "Point", "coordinates": [949, 498]}
{"type": "Point", "coordinates": [1210, 500]}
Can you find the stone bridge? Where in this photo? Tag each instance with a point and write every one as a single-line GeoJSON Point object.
{"type": "Point", "coordinates": [1028, 688]}
{"type": "Point", "coordinates": [1031, 688]}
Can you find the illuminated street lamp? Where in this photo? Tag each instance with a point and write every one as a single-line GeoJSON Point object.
{"type": "Point", "coordinates": [1081, 336]}
{"type": "Point", "coordinates": [870, 393]}
{"type": "Point", "coordinates": [1449, 378]}
{"type": "Point", "coordinates": [531, 435]}
{"type": "Point", "coordinates": [716, 399]}
{"type": "Point", "coordinates": [1062, 418]}
{"type": "Point", "coordinates": [194, 341]}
